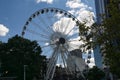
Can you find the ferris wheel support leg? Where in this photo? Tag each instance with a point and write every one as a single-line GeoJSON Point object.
{"type": "Point", "coordinates": [54, 68]}
{"type": "Point", "coordinates": [68, 67]}
{"type": "Point", "coordinates": [49, 70]}
{"type": "Point", "coordinates": [64, 62]}
{"type": "Point", "coordinates": [51, 64]}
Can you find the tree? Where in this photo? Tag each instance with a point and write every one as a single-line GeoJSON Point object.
{"type": "Point", "coordinates": [19, 53]}
{"type": "Point", "coordinates": [107, 36]}
{"type": "Point", "coordinates": [110, 38]}
{"type": "Point", "coordinates": [95, 73]}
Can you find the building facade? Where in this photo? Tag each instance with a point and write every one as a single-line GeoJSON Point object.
{"type": "Point", "coordinates": [100, 10]}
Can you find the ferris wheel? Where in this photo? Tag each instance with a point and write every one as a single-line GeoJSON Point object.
{"type": "Point", "coordinates": [57, 32]}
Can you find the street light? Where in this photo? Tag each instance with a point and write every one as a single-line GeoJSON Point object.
{"type": "Point", "coordinates": [25, 72]}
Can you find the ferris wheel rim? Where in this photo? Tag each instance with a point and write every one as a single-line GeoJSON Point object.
{"type": "Point", "coordinates": [61, 40]}
{"type": "Point", "coordinates": [42, 11]}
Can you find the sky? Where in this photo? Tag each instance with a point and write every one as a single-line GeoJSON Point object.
{"type": "Point", "coordinates": [14, 13]}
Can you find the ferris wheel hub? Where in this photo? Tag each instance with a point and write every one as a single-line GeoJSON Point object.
{"type": "Point", "coordinates": [61, 40]}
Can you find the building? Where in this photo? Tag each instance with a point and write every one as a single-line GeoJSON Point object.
{"type": "Point", "coordinates": [100, 10]}
{"type": "Point", "coordinates": [75, 61]}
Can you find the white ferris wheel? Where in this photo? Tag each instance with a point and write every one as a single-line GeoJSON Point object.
{"type": "Point", "coordinates": [57, 32]}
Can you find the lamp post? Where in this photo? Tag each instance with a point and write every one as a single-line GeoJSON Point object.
{"type": "Point", "coordinates": [0, 69]}
{"type": "Point", "coordinates": [25, 72]}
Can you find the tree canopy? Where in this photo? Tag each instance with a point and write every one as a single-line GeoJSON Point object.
{"type": "Point", "coordinates": [19, 54]}
{"type": "Point", "coordinates": [95, 73]}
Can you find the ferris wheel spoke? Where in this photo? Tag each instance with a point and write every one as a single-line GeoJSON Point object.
{"type": "Point", "coordinates": [44, 23]}
{"type": "Point", "coordinates": [41, 28]}
{"type": "Point", "coordinates": [70, 31]}
{"type": "Point", "coordinates": [47, 45]}
{"type": "Point", "coordinates": [43, 41]}
{"type": "Point", "coordinates": [54, 21]}
{"type": "Point", "coordinates": [52, 17]}
{"type": "Point", "coordinates": [66, 27]}
{"type": "Point", "coordinates": [50, 20]}
{"type": "Point", "coordinates": [73, 35]}
{"type": "Point", "coordinates": [36, 33]}
{"type": "Point", "coordinates": [49, 17]}
{"type": "Point", "coordinates": [57, 28]}
{"type": "Point", "coordinates": [73, 40]}
{"type": "Point", "coordinates": [60, 27]}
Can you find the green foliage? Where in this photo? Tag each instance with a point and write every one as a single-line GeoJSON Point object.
{"type": "Point", "coordinates": [107, 36]}
{"type": "Point", "coordinates": [95, 74]}
{"type": "Point", "coordinates": [18, 52]}
{"type": "Point", "coordinates": [85, 37]}
{"type": "Point", "coordinates": [110, 38]}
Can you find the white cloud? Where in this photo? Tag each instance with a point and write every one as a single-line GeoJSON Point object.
{"type": "Point", "coordinates": [85, 16]}
{"type": "Point", "coordinates": [3, 30]}
{"type": "Point", "coordinates": [47, 1]}
{"type": "Point", "coordinates": [75, 4]}
{"type": "Point", "coordinates": [81, 11]}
